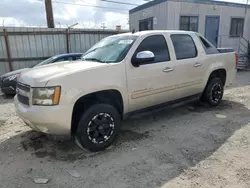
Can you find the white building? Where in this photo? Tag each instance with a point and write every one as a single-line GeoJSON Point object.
{"type": "Point", "coordinates": [222, 23]}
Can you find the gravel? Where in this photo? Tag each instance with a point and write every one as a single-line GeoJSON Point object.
{"type": "Point", "coordinates": [188, 146]}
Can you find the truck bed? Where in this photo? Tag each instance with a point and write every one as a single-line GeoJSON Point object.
{"type": "Point", "coordinates": [225, 50]}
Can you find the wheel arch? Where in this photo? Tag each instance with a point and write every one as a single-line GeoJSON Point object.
{"type": "Point", "coordinates": [219, 73]}
{"type": "Point", "coordinates": [109, 96]}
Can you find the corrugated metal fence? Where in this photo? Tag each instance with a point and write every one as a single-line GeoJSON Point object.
{"type": "Point", "coordinates": [24, 47]}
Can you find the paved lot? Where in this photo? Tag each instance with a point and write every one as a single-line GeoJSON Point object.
{"type": "Point", "coordinates": [189, 146]}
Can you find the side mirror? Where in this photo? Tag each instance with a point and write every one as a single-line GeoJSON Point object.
{"type": "Point", "coordinates": [143, 58]}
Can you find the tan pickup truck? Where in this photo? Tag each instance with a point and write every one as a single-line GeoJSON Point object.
{"type": "Point", "coordinates": [120, 75]}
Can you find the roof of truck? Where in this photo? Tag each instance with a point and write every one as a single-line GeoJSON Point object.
{"type": "Point", "coordinates": [140, 33]}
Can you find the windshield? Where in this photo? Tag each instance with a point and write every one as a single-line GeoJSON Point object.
{"type": "Point", "coordinates": [111, 49]}
{"type": "Point", "coordinates": [45, 62]}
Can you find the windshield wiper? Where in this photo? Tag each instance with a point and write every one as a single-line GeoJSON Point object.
{"type": "Point", "coordinates": [93, 59]}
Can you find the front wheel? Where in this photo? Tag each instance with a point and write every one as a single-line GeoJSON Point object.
{"type": "Point", "coordinates": [98, 127]}
{"type": "Point", "coordinates": [214, 92]}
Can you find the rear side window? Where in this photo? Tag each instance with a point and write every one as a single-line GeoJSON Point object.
{"type": "Point", "coordinates": [156, 44]}
{"type": "Point", "coordinates": [184, 46]}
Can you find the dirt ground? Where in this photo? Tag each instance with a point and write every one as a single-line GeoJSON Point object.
{"type": "Point", "coordinates": [189, 146]}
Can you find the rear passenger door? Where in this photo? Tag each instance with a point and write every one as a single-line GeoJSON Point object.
{"type": "Point", "coordinates": [189, 65]}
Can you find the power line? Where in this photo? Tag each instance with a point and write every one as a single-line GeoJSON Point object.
{"type": "Point", "coordinates": [118, 2]}
{"type": "Point", "coordinates": [95, 6]}
{"type": "Point", "coordinates": [124, 11]}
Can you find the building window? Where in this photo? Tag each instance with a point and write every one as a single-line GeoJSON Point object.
{"type": "Point", "coordinates": [189, 23]}
{"type": "Point", "coordinates": [146, 24]}
{"type": "Point", "coordinates": [237, 27]}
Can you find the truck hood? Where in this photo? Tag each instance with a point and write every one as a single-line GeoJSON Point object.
{"type": "Point", "coordinates": [39, 76]}
{"type": "Point", "coordinates": [14, 72]}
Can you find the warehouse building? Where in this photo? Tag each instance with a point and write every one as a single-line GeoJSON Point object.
{"type": "Point", "coordinates": [224, 24]}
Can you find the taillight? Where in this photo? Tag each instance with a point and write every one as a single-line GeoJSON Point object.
{"type": "Point", "coordinates": [236, 60]}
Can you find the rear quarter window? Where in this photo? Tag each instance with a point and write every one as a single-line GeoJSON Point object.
{"type": "Point", "coordinates": [184, 46]}
{"type": "Point", "coordinates": [208, 47]}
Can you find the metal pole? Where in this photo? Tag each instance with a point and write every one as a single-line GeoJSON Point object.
{"type": "Point", "coordinates": [68, 35]}
{"type": "Point", "coordinates": [246, 10]}
{"type": "Point", "coordinates": [7, 49]}
{"type": "Point", "coordinates": [239, 45]}
{"type": "Point", "coordinates": [67, 40]}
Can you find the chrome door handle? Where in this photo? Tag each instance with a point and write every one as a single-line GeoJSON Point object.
{"type": "Point", "coordinates": [168, 69]}
{"type": "Point", "coordinates": [197, 64]}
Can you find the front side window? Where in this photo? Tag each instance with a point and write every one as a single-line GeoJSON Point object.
{"type": "Point", "coordinates": [112, 49]}
{"type": "Point", "coordinates": [189, 23]}
{"type": "Point", "coordinates": [184, 46]}
{"type": "Point", "coordinates": [237, 27]}
{"type": "Point", "coordinates": [156, 44]}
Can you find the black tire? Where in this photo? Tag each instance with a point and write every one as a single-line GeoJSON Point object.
{"type": "Point", "coordinates": [88, 129]}
{"type": "Point", "coordinates": [214, 92]}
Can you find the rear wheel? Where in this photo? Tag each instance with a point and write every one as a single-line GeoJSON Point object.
{"type": "Point", "coordinates": [214, 92]}
{"type": "Point", "coordinates": [98, 127]}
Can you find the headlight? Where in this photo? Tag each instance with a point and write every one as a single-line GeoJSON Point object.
{"type": "Point", "coordinates": [13, 77]}
{"type": "Point", "coordinates": [46, 96]}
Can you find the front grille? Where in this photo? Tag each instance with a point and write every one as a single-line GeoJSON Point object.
{"type": "Point", "coordinates": [23, 93]}
{"type": "Point", "coordinates": [1, 80]}
{"type": "Point", "coordinates": [23, 99]}
{"type": "Point", "coordinates": [23, 87]}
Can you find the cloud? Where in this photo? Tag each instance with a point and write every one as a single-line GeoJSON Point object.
{"type": "Point", "coordinates": [32, 13]}
{"type": "Point", "coordinates": [23, 11]}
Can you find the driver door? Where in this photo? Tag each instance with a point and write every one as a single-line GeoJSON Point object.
{"type": "Point", "coordinates": [152, 82]}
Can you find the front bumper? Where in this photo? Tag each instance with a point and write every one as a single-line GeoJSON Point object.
{"type": "Point", "coordinates": [54, 120]}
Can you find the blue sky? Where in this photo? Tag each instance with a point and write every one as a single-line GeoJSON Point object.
{"type": "Point", "coordinates": [67, 12]}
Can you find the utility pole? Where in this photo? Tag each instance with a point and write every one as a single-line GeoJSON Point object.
{"type": "Point", "coordinates": [49, 14]}
{"type": "Point", "coordinates": [246, 8]}
{"type": "Point", "coordinates": [246, 16]}
{"type": "Point", "coordinates": [103, 26]}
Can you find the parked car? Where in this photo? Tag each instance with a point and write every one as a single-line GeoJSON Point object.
{"type": "Point", "coordinates": [8, 80]}
{"type": "Point", "coordinates": [121, 75]}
